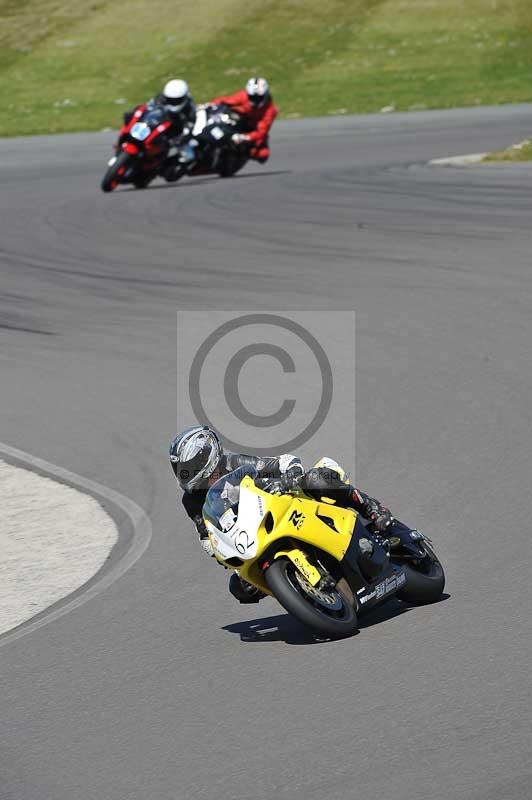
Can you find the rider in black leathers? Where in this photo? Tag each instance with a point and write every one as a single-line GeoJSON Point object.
{"type": "Point", "coordinates": [198, 460]}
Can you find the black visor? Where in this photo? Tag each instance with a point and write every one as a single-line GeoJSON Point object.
{"type": "Point", "coordinates": [257, 99]}
{"type": "Point", "coordinates": [175, 104]}
{"type": "Point", "coordinates": [185, 471]}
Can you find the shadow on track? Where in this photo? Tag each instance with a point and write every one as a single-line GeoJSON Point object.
{"type": "Point", "coordinates": [390, 609]}
{"type": "Point", "coordinates": [284, 628]}
{"type": "Point", "coordinates": [279, 628]}
{"type": "Point", "coordinates": [201, 181]}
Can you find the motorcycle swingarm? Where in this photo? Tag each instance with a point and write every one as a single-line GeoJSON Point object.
{"type": "Point", "coordinates": [369, 592]}
{"type": "Point", "coordinates": [381, 588]}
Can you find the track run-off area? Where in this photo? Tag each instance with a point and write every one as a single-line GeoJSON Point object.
{"type": "Point", "coordinates": [161, 686]}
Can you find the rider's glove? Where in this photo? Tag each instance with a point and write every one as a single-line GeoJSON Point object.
{"type": "Point", "coordinates": [201, 528]}
{"type": "Point", "coordinates": [380, 516]}
{"type": "Point", "coordinates": [239, 138]}
{"type": "Point", "coordinates": [291, 477]}
{"type": "Point", "coordinates": [203, 533]}
{"type": "Point", "coordinates": [287, 482]}
{"type": "Point", "coordinates": [207, 547]}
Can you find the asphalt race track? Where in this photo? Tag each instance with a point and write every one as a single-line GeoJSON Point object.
{"type": "Point", "coordinates": [161, 686]}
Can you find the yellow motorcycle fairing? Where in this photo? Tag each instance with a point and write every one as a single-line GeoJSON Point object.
{"type": "Point", "coordinates": [293, 521]}
{"type": "Point", "coordinates": [299, 560]}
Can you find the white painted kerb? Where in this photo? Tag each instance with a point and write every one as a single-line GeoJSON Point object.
{"type": "Point", "coordinates": [459, 161]}
{"type": "Point", "coordinates": [53, 539]}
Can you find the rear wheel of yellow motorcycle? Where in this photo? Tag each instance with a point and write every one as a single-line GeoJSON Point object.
{"type": "Point", "coordinates": [425, 580]}
{"type": "Point", "coordinates": [328, 612]}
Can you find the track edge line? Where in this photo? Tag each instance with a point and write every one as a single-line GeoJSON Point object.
{"type": "Point", "coordinates": [109, 572]}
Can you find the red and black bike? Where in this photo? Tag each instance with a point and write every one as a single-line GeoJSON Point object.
{"type": "Point", "coordinates": [143, 151]}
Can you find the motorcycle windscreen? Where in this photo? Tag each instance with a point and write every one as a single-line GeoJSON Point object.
{"type": "Point", "coordinates": [154, 117]}
{"type": "Point", "coordinates": [221, 504]}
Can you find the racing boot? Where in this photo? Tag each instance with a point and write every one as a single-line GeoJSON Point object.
{"type": "Point", "coordinates": [243, 591]}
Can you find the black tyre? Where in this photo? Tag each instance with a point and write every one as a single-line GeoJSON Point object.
{"type": "Point", "coordinates": [425, 581]}
{"type": "Point", "coordinates": [231, 164]}
{"type": "Point", "coordinates": [142, 182]}
{"type": "Point", "coordinates": [326, 612]}
{"type": "Point", "coordinates": [112, 177]}
{"type": "Point", "coordinates": [174, 176]}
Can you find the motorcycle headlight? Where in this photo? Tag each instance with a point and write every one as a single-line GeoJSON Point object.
{"type": "Point", "coordinates": [140, 131]}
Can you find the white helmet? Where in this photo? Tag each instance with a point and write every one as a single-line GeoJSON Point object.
{"type": "Point", "coordinates": [175, 96]}
{"type": "Point", "coordinates": [258, 90]}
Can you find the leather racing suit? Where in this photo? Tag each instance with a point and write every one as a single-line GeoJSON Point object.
{"type": "Point", "coordinates": [257, 119]}
{"type": "Point", "coordinates": [325, 479]}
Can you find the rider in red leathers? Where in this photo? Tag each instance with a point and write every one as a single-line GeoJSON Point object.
{"type": "Point", "coordinates": [255, 105]}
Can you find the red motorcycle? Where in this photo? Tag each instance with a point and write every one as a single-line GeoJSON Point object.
{"type": "Point", "coordinates": [143, 150]}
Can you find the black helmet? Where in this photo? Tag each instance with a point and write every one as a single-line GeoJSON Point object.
{"type": "Point", "coordinates": [194, 454]}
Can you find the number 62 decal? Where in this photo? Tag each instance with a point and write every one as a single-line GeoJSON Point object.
{"type": "Point", "coordinates": [242, 541]}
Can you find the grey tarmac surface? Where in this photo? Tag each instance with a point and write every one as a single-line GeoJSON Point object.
{"type": "Point", "coordinates": [161, 686]}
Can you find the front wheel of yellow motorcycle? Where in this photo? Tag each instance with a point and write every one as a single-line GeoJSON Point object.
{"type": "Point", "coordinates": [326, 611]}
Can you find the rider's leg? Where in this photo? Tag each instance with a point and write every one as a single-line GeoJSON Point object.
{"type": "Point", "coordinates": [260, 154]}
{"type": "Point", "coordinates": [327, 479]}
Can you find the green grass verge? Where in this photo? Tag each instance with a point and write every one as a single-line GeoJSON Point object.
{"type": "Point", "coordinates": [67, 66]}
{"type": "Point", "coordinates": [517, 152]}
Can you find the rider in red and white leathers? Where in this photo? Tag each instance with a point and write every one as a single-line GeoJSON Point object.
{"type": "Point", "coordinates": [255, 105]}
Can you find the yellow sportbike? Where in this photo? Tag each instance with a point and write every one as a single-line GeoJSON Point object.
{"type": "Point", "coordinates": [307, 554]}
